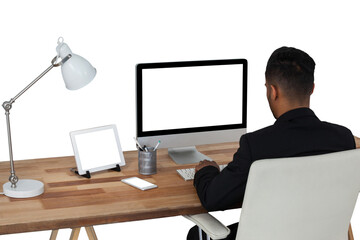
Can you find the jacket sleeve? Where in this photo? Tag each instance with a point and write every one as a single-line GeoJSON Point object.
{"type": "Point", "coordinates": [222, 190]}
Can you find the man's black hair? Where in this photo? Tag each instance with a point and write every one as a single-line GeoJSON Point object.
{"type": "Point", "coordinates": [292, 70]}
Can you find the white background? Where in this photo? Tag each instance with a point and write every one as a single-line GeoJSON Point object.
{"type": "Point", "coordinates": [115, 35]}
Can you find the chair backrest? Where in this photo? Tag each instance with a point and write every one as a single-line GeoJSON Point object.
{"type": "Point", "coordinates": [301, 198]}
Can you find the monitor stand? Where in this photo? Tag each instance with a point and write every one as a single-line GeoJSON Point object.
{"type": "Point", "coordinates": [186, 155]}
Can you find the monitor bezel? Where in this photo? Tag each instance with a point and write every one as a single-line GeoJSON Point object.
{"type": "Point", "coordinates": [139, 96]}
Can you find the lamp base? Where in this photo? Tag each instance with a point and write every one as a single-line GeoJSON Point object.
{"type": "Point", "coordinates": [25, 188]}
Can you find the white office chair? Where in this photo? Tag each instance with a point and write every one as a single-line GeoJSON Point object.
{"type": "Point", "coordinates": [295, 198]}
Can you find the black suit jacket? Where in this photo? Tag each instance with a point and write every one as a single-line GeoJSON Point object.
{"type": "Point", "coordinates": [296, 133]}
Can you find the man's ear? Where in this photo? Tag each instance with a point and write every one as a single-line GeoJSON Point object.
{"type": "Point", "coordinates": [313, 89]}
{"type": "Point", "coordinates": [274, 92]}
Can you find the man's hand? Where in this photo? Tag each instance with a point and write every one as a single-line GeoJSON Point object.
{"type": "Point", "coordinates": [357, 142]}
{"type": "Point", "coordinates": [206, 163]}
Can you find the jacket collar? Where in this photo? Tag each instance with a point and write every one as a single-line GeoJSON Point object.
{"type": "Point", "coordinates": [296, 113]}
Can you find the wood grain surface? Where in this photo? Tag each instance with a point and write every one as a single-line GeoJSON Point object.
{"type": "Point", "coordinates": [71, 201]}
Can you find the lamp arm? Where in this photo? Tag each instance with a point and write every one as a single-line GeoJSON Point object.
{"type": "Point", "coordinates": [7, 105]}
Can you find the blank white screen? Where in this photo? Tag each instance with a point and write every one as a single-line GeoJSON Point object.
{"type": "Point", "coordinates": [97, 149]}
{"type": "Point", "coordinates": [186, 97]}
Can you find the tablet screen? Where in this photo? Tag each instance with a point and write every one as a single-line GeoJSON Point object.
{"type": "Point", "coordinates": [97, 149]}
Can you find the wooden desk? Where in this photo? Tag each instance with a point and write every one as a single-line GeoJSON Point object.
{"type": "Point", "coordinates": [70, 201]}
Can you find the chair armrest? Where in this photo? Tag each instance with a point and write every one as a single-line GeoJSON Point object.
{"type": "Point", "coordinates": [210, 225]}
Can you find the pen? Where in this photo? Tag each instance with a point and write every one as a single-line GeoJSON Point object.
{"type": "Point", "coordinates": [156, 145]}
{"type": "Point", "coordinates": [138, 144]}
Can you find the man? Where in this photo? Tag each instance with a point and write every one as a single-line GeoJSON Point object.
{"type": "Point", "coordinates": [296, 132]}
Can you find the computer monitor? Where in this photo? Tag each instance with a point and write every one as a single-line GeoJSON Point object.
{"type": "Point", "coordinates": [184, 104]}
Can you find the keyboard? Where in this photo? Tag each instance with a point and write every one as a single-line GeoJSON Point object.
{"type": "Point", "coordinates": [189, 173]}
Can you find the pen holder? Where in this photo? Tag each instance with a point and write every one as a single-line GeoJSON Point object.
{"type": "Point", "coordinates": [147, 161]}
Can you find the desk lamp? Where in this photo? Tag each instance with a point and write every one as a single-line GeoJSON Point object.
{"type": "Point", "coordinates": [76, 72]}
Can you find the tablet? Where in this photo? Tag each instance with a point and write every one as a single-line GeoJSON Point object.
{"type": "Point", "coordinates": [97, 149]}
{"type": "Point", "coordinates": [139, 183]}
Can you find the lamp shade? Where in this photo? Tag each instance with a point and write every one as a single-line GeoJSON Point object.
{"type": "Point", "coordinates": [77, 72]}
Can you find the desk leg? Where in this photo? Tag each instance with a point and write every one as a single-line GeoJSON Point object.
{"type": "Point", "coordinates": [91, 233]}
{"type": "Point", "coordinates": [350, 233]}
{"type": "Point", "coordinates": [75, 233]}
{"type": "Point", "coordinates": [54, 234]}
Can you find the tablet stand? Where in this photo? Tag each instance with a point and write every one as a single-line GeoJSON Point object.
{"type": "Point", "coordinates": [117, 168]}
{"type": "Point", "coordinates": [88, 175]}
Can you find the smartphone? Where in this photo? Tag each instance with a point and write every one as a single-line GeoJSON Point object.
{"type": "Point", "coordinates": [139, 183]}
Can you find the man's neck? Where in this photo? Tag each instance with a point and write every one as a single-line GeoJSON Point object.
{"type": "Point", "coordinates": [283, 108]}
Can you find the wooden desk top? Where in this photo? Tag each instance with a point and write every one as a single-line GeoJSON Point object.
{"type": "Point", "coordinates": [71, 201]}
